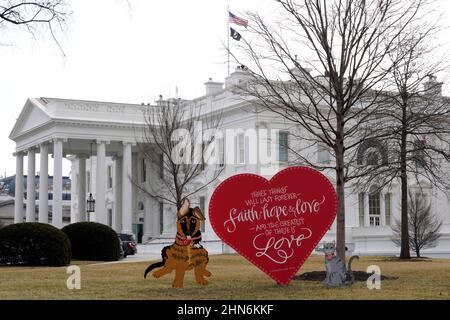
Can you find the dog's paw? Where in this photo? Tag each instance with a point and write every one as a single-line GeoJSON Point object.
{"type": "Point", "coordinates": [177, 285]}
{"type": "Point", "coordinates": [202, 281]}
{"type": "Point", "coordinates": [207, 273]}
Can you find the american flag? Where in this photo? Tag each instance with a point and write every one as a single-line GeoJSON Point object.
{"type": "Point", "coordinates": [236, 20]}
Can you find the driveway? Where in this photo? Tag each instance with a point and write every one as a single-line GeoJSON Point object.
{"type": "Point", "coordinates": [138, 257]}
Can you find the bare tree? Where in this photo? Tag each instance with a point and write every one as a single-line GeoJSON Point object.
{"type": "Point", "coordinates": [179, 143]}
{"type": "Point", "coordinates": [424, 225]}
{"type": "Point", "coordinates": [320, 66]}
{"type": "Point", "coordinates": [413, 122]}
{"type": "Point", "coordinates": [32, 13]}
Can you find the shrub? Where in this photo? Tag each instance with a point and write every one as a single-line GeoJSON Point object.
{"type": "Point", "coordinates": [34, 244]}
{"type": "Point", "coordinates": [93, 241]}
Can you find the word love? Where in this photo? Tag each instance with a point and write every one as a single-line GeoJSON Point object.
{"type": "Point", "coordinates": [281, 249]}
{"type": "Point", "coordinates": [275, 224]}
{"type": "Point", "coordinates": [266, 212]}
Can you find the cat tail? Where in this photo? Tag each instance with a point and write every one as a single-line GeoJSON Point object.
{"type": "Point", "coordinates": [350, 271]}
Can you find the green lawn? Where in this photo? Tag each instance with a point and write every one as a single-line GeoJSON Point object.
{"type": "Point", "coordinates": [233, 278]}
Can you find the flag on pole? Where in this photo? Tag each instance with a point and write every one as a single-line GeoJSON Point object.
{"type": "Point", "coordinates": [236, 20]}
{"type": "Point", "coordinates": [235, 35]}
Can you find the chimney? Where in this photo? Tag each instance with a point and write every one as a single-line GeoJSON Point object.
{"type": "Point", "coordinates": [299, 72]}
{"type": "Point", "coordinates": [212, 87]}
{"type": "Point", "coordinates": [161, 101]}
{"type": "Point", "coordinates": [432, 86]}
{"type": "Point", "coordinates": [238, 77]}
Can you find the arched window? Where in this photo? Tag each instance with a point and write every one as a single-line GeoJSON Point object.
{"type": "Point", "coordinates": [371, 152]}
{"type": "Point", "coordinates": [372, 157]}
{"type": "Point", "coordinates": [141, 206]}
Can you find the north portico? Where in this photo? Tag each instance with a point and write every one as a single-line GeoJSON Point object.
{"type": "Point", "coordinates": [76, 129]}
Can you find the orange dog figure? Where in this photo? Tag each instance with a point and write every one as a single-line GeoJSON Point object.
{"type": "Point", "coordinates": [186, 253]}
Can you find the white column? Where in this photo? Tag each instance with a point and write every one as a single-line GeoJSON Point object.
{"type": "Point", "coordinates": [127, 214]}
{"type": "Point", "coordinates": [148, 217]}
{"type": "Point", "coordinates": [134, 177]}
{"type": "Point", "coordinates": [18, 202]}
{"type": "Point", "coordinates": [43, 184]}
{"type": "Point", "coordinates": [81, 192]}
{"type": "Point", "coordinates": [57, 183]}
{"type": "Point", "coordinates": [100, 183]}
{"type": "Point", "coordinates": [258, 161]}
{"type": "Point", "coordinates": [31, 188]}
{"type": "Point", "coordinates": [149, 212]}
{"type": "Point", "coordinates": [117, 215]}
{"type": "Point", "coordinates": [74, 190]}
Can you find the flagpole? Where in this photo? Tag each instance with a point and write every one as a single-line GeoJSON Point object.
{"type": "Point", "coordinates": [228, 37]}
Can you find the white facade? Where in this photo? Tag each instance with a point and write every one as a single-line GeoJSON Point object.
{"type": "Point", "coordinates": [73, 128]}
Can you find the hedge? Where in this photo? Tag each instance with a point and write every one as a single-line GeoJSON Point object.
{"type": "Point", "coordinates": [93, 241]}
{"type": "Point", "coordinates": [34, 244]}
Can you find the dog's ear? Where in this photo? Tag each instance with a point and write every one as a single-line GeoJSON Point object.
{"type": "Point", "coordinates": [184, 209]}
{"type": "Point", "coordinates": [198, 213]}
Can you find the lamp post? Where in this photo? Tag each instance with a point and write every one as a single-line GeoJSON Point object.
{"type": "Point", "coordinates": [90, 204]}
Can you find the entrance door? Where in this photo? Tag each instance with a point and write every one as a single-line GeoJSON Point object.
{"type": "Point", "coordinates": [138, 230]}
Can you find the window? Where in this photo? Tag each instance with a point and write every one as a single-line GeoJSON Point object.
{"type": "Point", "coordinates": [419, 153]}
{"type": "Point", "coordinates": [203, 164]}
{"type": "Point", "coordinates": [323, 153]}
{"type": "Point", "coordinates": [422, 196]}
{"type": "Point", "coordinates": [161, 166]}
{"type": "Point", "coordinates": [283, 146]}
{"type": "Point", "coordinates": [241, 148]}
{"type": "Point", "coordinates": [202, 208]}
{"type": "Point", "coordinates": [221, 152]}
{"type": "Point", "coordinates": [144, 170]}
{"type": "Point", "coordinates": [88, 181]}
{"type": "Point", "coordinates": [110, 217]}
{"type": "Point", "coordinates": [65, 189]}
{"type": "Point", "coordinates": [374, 209]}
{"type": "Point", "coordinates": [387, 207]}
{"type": "Point", "coordinates": [161, 217]}
{"type": "Point", "coordinates": [371, 152]}
{"type": "Point", "coordinates": [110, 177]}
{"type": "Point", "coordinates": [372, 157]}
{"type": "Point", "coordinates": [361, 202]}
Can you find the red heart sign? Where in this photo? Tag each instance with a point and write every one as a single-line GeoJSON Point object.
{"type": "Point", "coordinates": [276, 223]}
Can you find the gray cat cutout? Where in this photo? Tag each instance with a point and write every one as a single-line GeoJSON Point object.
{"type": "Point", "coordinates": [337, 273]}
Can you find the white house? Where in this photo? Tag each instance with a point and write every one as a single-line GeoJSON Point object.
{"type": "Point", "coordinates": [100, 139]}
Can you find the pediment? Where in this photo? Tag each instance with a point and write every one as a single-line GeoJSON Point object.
{"type": "Point", "coordinates": [32, 116]}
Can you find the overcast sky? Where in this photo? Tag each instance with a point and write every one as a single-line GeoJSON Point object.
{"type": "Point", "coordinates": [118, 54]}
{"type": "Point", "coordinates": [115, 54]}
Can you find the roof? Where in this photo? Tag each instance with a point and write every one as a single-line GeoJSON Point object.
{"type": "Point", "coordinates": [39, 112]}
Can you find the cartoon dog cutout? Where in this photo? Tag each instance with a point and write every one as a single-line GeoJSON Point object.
{"type": "Point", "coordinates": [186, 253]}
